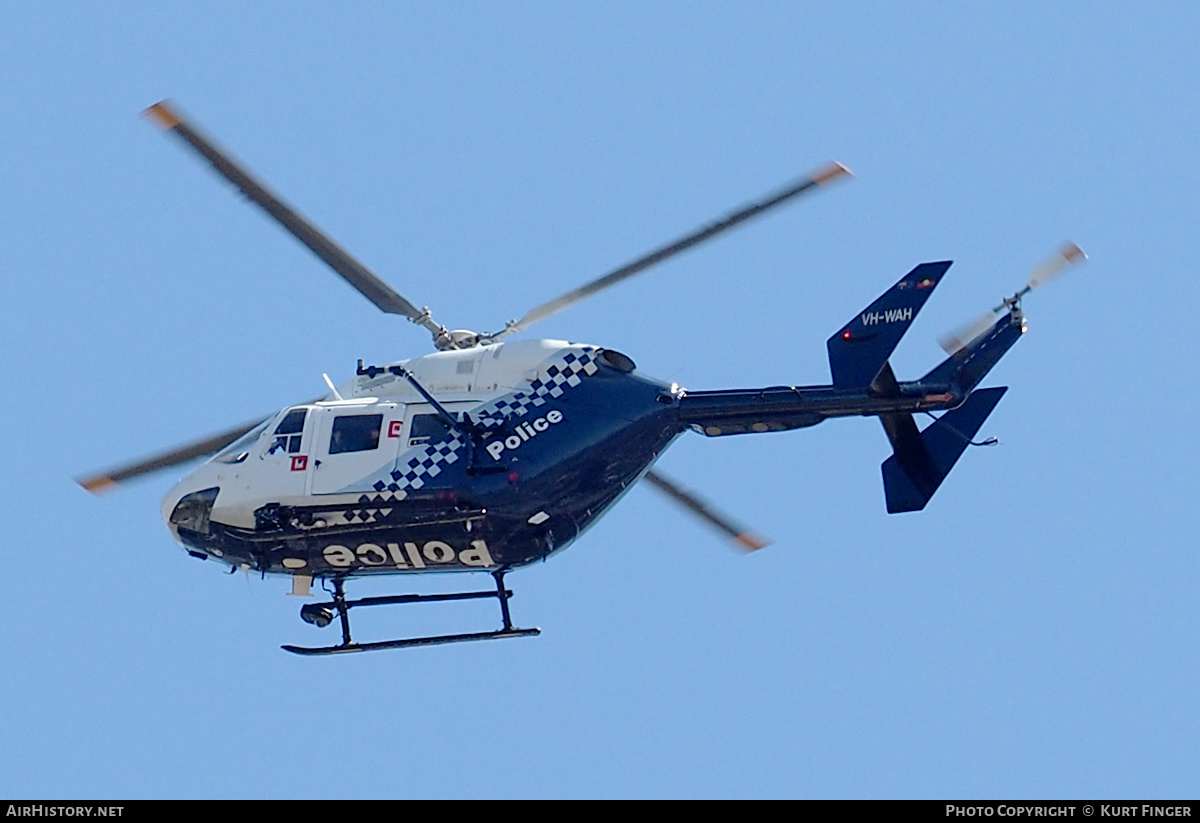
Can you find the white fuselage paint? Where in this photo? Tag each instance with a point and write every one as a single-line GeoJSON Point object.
{"type": "Point", "coordinates": [463, 379]}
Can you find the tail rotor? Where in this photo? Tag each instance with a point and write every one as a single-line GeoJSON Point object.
{"type": "Point", "coordinates": [1063, 259]}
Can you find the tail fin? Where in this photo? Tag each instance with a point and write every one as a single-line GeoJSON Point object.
{"type": "Point", "coordinates": [922, 460]}
{"type": "Point", "coordinates": [860, 349]}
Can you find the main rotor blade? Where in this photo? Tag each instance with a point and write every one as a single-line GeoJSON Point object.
{"type": "Point", "coordinates": [107, 481]}
{"type": "Point", "coordinates": [745, 539]}
{"type": "Point", "coordinates": [825, 174]}
{"type": "Point", "coordinates": [337, 258]}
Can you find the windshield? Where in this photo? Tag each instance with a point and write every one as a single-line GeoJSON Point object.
{"type": "Point", "coordinates": [239, 449]}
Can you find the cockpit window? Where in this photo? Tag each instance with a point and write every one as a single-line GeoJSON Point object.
{"type": "Point", "coordinates": [239, 449]}
{"type": "Point", "coordinates": [355, 433]}
{"type": "Point", "coordinates": [288, 433]}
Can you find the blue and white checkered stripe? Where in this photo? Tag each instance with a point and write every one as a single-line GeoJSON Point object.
{"type": "Point", "coordinates": [565, 371]}
{"type": "Point", "coordinates": [419, 465]}
{"type": "Point", "coordinates": [423, 463]}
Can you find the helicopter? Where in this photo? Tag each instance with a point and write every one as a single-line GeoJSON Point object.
{"type": "Point", "coordinates": [490, 453]}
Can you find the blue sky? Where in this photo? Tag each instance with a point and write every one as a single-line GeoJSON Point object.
{"type": "Point", "coordinates": [1032, 633]}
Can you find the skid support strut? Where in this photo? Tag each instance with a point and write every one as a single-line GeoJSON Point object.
{"type": "Point", "coordinates": [321, 614]}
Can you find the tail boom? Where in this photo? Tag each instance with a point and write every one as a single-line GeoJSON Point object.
{"type": "Point", "coordinates": [864, 385]}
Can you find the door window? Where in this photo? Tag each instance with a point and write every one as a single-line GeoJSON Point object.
{"type": "Point", "coordinates": [355, 433]}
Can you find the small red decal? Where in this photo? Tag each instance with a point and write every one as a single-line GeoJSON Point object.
{"type": "Point", "coordinates": [394, 428]}
{"type": "Point", "coordinates": [299, 463]}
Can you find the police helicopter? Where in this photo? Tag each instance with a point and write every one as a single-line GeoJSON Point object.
{"type": "Point", "coordinates": [493, 453]}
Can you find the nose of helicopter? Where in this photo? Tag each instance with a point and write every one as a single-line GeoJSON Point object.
{"type": "Point", "coordinates": [186, 510]}
{"type": "Point", "coordinates": [169, 502]}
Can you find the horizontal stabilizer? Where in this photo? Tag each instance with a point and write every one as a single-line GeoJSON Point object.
{"type": "Point", "coordinates": [922, 460]}
{"type": "Point", "coordinates": [859, 349]}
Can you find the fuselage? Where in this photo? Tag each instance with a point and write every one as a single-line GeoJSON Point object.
{"type": "Point", "coordinates": [496, 456]}
{"type": "Point", "coordinates": [533, 442]}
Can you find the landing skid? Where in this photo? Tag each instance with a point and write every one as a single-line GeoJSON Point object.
{"type": "Point", "coordinates": [319, 614]}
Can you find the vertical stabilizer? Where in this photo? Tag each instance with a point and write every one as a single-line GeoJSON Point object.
{"type": "Point", "coordinates": [860, 349]}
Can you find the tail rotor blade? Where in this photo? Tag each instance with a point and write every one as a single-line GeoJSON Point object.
{"type": "Point", "coordinates": [1066, 257]}
{"type": "Point", "coordinates": [962, 336]}
{"type": "Point", "coordinates": [745, 539]}
{"type": "Point", "coordinates": [1069, 255]}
